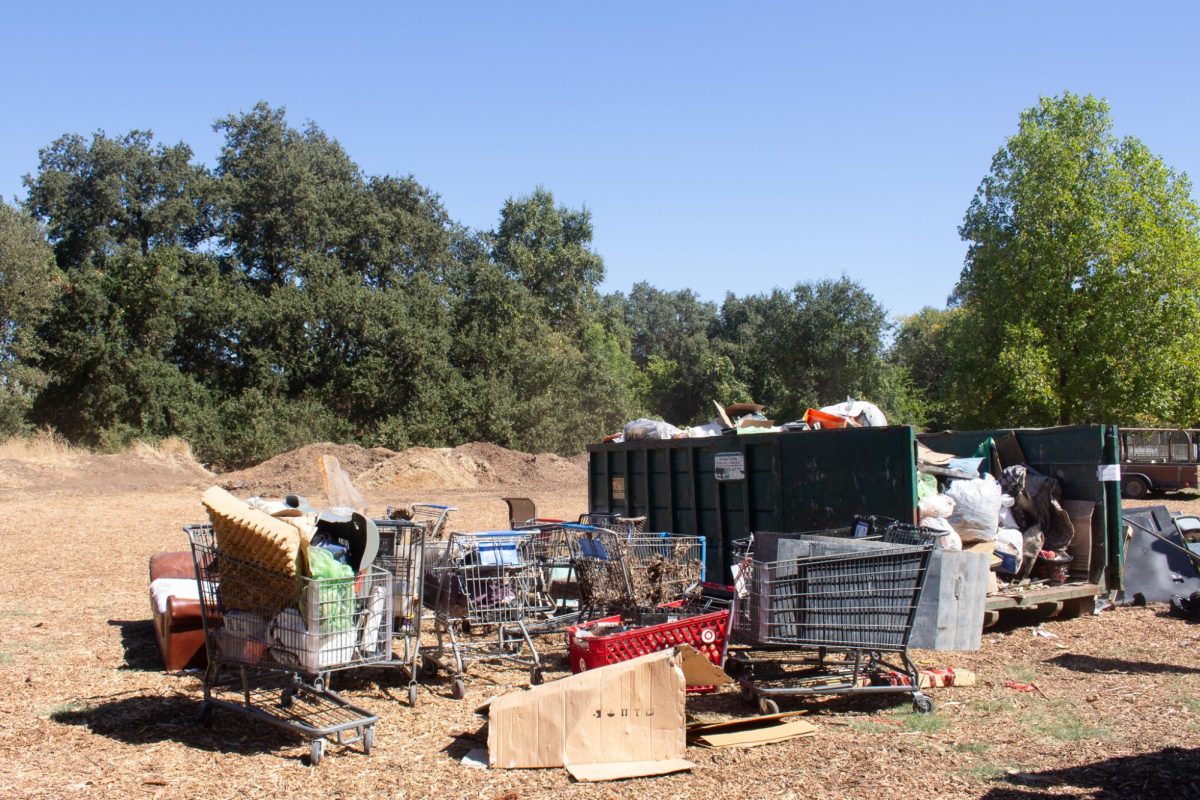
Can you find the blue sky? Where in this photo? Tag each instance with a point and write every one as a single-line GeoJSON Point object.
{"type": "Point", "coordinates": [719, 146]}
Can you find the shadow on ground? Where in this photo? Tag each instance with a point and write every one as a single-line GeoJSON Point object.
{"type": "Point", "coordinates": [146, 719]}
{"type": "Point", "coordinates": [1169, 773]}
{"type": "Point", "coordinates": [1095, 664]}
{"type": "Point", "coordinates": [141, 647]}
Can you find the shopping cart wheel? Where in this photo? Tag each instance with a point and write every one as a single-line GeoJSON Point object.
{"type": "Point", "coordinates": [204, 715]}
{"type": "Point", "coordinates": [747, 694]}
{"type": "Point", "coordinates": [767, 706]}
{"type": "Point", "coordinates": [316, 752]}
{"type": "Point", "coordinates": [536, 678]}
{"type": "Point", "coordinates": [369, 740]}
{"type": "Point", "coordinates": [412, 695]}
{"type": "Point", "coordinates": [286, 698]}
{"type": "Point", "coordinates": [458, 689]}
{"type": "Point", "coordinates": [922, 703]}
{"type": "Point", "coordinates": [429, 667]}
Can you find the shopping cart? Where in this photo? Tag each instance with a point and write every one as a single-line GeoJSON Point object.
{"type": "Point", "coordinates": [614, 522]}
{"type": "Point", "coordinates": [402, 555]}
{"type": "Point", "coordinates": [483, 589]}
{"type": "Point", "coordinates": [432, 515]}
{"type": "Point", "coordinates": [704, 623]}
{"type": "Point", "coordinates": [830, 595]}
{"type": "Point", "coordinates": [625, 572]}
{"type": "Point", "coordinates": [557, 592]}
{"type": "Point", "coordinates": [273, 639]}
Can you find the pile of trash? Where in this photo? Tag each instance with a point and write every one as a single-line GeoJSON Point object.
{"type": "Point", "coordinates": [748, 418]}
{"type": "Point", "coordinates": [1020, 517]}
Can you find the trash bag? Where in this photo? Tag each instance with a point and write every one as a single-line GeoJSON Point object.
{"type": "Point", "coordinates": [867, 415]}
{"type": "Point", "coordinates": [938, 506]}
{"type": "Point", "coordinates": [334, 607]}
{"type": "Point", "coordinates": [1007, 520]}
{"type": "Point", "coordinates": [926, 486]}
{"type": "Point", "coordinates": [976, 508]}
{"type": "Point", "coordinates": [649, 429]}
{"type": "Point", "coordinates": [949, 538]}
{"type": "Point", "coordinates": [1186, 607]}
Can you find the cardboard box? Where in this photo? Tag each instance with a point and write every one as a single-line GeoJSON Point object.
{"type": "Point", "coordinates": [624, 714]}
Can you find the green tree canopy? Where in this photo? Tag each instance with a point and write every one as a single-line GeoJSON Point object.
{"type": "Point", "coordinates": [673, 338]}
{"type": "Point", "coordinates": [547, 247]}
{"type": "Point", "coordinates": [812, 346]}
{"type": "Point", "coordinates": [29, 287]}
{"type": "Point", "coordinates": [96, 197]}
{"type": "Point", "coordinates": [1081, 284]}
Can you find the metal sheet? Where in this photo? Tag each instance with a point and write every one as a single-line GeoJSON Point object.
{"type": "Point", "coordinates": [1156, 569]}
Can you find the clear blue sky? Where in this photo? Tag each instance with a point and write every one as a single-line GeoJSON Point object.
{"type": "Point", "coordinates": [721, 147]}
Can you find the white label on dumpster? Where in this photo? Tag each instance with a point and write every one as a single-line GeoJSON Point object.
{"type": "Point", "coordinates": [618, 487]}
{"type": "Point", "coordinates": [1108, 472]}
{"type": "Point", "coordinates": [729, 466]}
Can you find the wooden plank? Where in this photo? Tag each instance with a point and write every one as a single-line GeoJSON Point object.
{"type": "Point", "coordinates": [1036, 597]}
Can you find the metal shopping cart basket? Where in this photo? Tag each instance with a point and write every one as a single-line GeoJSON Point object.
{"type": "Point", "coordinates": [402, 555]}
{"type": "Point", "coordinates": [614, 522]}
{"type": "Point", "coordinates": [432, 515]}
{"type": "Point", "coordinates": [273, 639]}
{"type": "Point", "coordinates": [483, 588]}
{"type": "Point", "coordinates": [557, 590]}
{"type": "Point", "coordinates": [829, 595]}
{"type": "Point", "coordinates": [625, 572]}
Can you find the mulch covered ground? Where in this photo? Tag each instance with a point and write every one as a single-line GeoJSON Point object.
{"type": "Point", "coordinates": [86, 711]}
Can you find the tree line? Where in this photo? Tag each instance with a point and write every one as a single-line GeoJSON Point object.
{"type": "Point", "coordinates": [284, 296]}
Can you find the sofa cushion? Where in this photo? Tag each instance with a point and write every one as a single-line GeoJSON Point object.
{"type": "Point", "coordinates": [175, 564]}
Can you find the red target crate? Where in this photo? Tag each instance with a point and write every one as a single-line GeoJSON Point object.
{"type": "Point", "coordinates": [707, 632]}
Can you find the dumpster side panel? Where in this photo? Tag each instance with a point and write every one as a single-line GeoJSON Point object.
{"type": "Point", "coordinates": [831, 476]}
{"type": "Point", "coordinates": [726, 487]}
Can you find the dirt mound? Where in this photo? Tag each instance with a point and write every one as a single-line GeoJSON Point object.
{"type": "Point", "coordinates": [424, 468]}
{"type": "Point", "coordinates": [299, 472]}
{"type": "Point", "coordinates": [470, 466]}
{"type": "Point", "coordinates": [140, 469]}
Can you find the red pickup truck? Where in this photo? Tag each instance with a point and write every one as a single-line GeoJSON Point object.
{"type": "Point", "coordinates": [1154, 459]}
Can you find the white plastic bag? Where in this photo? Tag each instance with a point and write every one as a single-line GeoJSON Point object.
{"type": "Point", "coordinates": [1010, 542]}
{"type": "Point", "coordinates": [976, 508]}
{"type": "Point", "coordinates": [937, 506]}
{"type": "Point", "coordinates": [867, 415]}
{"type": "Point", "coordinates": [1007, 520]}
{"type": "Point", "coordinates": [949, 540]}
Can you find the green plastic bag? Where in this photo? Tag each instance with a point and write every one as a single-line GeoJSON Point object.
{"type": "Point", "coordinates": [926, 486]}
{"type": "Point", "coordinates": [335, 592]}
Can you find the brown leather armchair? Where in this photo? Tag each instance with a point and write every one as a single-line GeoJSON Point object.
{"type": "Point", "coordinates": [177, 622]}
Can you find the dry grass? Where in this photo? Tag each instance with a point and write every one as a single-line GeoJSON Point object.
{"type": "Point", "coordinates": [44, 447]}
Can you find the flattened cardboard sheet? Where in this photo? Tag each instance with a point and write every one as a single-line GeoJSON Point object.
{"type": "Point", "coordinates": [752, 731]}
{"type": "Point", "coordinates": [618, 770]}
